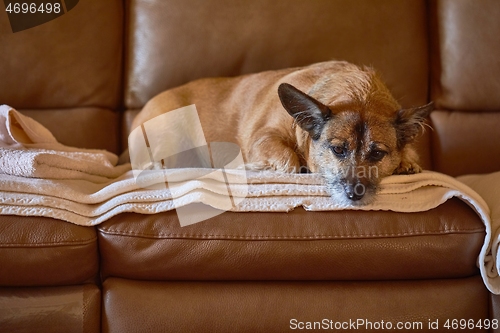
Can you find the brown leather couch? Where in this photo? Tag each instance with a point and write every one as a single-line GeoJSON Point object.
{"type": "Point", "coordinates": [85, 75]}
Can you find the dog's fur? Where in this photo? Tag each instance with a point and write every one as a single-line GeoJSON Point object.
{"type": "Point", "coordinates": [334, 118]}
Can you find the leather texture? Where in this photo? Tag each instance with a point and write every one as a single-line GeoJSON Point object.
{"type": "Point", "coordinates": [234, 37]}
{"type": "Point", "coordinates": [235, 306]}
{"type": "Point", "coordinates": [70, 309]}
{"type": "Point", "coordinates": [299, 245]}
{"type": "Point", "coordinates": [128, 117]}
{"type": "Point", "coordinates": [465, 55]}
{"type": "Point", "coordinates": [456, 153]}
{"type": "Point", "coordinates": [91, 128]}
{"type": "Point", "coordinates": [495, 310]}
{"type": "Point", "coordinates": [39, 251]}
{"type": "Point", "coordinates": [75, 60]}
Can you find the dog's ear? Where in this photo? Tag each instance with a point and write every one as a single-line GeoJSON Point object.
{"type": "Point", "coordinates": [410, 122]}
{"type": "Point", "coordinates": [309, 113]}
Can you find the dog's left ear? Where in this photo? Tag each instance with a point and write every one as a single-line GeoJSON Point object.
{"type": "Point", "coordinates": [410, 122]}
{"type": "Point", "coordinates": [309, 113]}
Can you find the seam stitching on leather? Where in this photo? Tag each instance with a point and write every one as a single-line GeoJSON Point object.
{"type": "Point", "coordinates": [54, 244]}
{"type": "Point", "coordinates": [208, 236]}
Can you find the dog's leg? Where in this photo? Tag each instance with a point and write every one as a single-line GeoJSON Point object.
{"type": "Point", "coordinates": [409, 162]}
{"type": "Point", "coordinates": [272, 152]}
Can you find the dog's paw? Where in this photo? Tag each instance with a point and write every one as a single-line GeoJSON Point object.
{"type": "Point", "coordinates": [281, 160]}
{"type": "Point", "coordinates": [407, 168]}
{"type": "Point", "coordinates": [272, 166]}
{"type": "Point", "coordinates": [256, 166]}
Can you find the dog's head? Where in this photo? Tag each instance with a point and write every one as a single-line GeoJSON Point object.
{"type": "Point", "coordinates": [355, 141]}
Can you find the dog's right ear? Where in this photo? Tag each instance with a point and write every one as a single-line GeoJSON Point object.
{"type": "Point", "coordinates": [309, 113]}
{"type": "Point", "coordinates": [410, 122]}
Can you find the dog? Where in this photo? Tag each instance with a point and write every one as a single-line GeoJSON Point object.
{"type": "Point", "coordinates": [333, 118]}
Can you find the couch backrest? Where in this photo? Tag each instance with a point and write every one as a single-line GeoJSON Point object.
{"type": "Point", "coordinates": [175, 41]}
{"type": "Point", "coordinates": [171, 42]}
{"type": "Point", "coordinates": [466, 86]}
{"type": "Point", "coordinates": [67, 73]}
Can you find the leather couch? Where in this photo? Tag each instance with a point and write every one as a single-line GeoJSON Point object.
{"type": "Point", "coordinates": [85, 74]}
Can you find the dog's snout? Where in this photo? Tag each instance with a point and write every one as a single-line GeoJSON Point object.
{"type": "Point", "coordinates": [355, 190]}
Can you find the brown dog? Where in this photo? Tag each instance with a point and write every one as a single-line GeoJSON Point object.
{"type": "Point", "coordinates": [334, 118]}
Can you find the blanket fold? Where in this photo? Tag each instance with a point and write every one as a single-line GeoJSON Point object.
{"type": "Point", "coordinates": [41, 177]}
{"type": "Point", "coordinates": [27, 149]}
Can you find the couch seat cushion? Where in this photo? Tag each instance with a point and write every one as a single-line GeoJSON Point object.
{"type": "Point", "coordinates": [342, 245]}
{"type": "Point", "coordinates": [40, 251]}
{"type": "Point", "coordinates": [278, 306]}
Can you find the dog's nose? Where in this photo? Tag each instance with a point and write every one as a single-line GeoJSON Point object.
{"type": "Point", "coordinates": [355, 191]}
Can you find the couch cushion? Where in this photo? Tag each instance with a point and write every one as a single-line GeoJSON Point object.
{"type": "Point", "coordinates": [39, 251]}
{"type": "Point", "coordinates": [300, 245]}
{"type": "Point", "coordinates": [465, 71]}
{"type": "Point", "coordinates": [248, 307]}
{"type": "Point", "coordinates": [456, 153]}
{"type": "Point", "coordinates": [229, 38]}
{"type": "Point", "coordinates": [68, 309]}
{"type": "Point", "coordinates": [74, 60]}
{"type": "Point", "coordinates": [171, 42]}
{"type": "Point", "coordinates": [465, 55]}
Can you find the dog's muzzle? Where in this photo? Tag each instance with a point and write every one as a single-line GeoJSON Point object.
{"type": "Point", "coordinates": [355, 190]}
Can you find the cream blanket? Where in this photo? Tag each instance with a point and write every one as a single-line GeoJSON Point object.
{"type": "Point", "coordinates": [94, 189]}
{"type": "Point", "coordinates": [28, 149]}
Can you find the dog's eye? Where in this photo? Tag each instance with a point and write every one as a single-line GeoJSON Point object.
{"type": "Point", "coordinates": [377, 155]}
{"type": "Point", "coordinates": [339, 151]}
